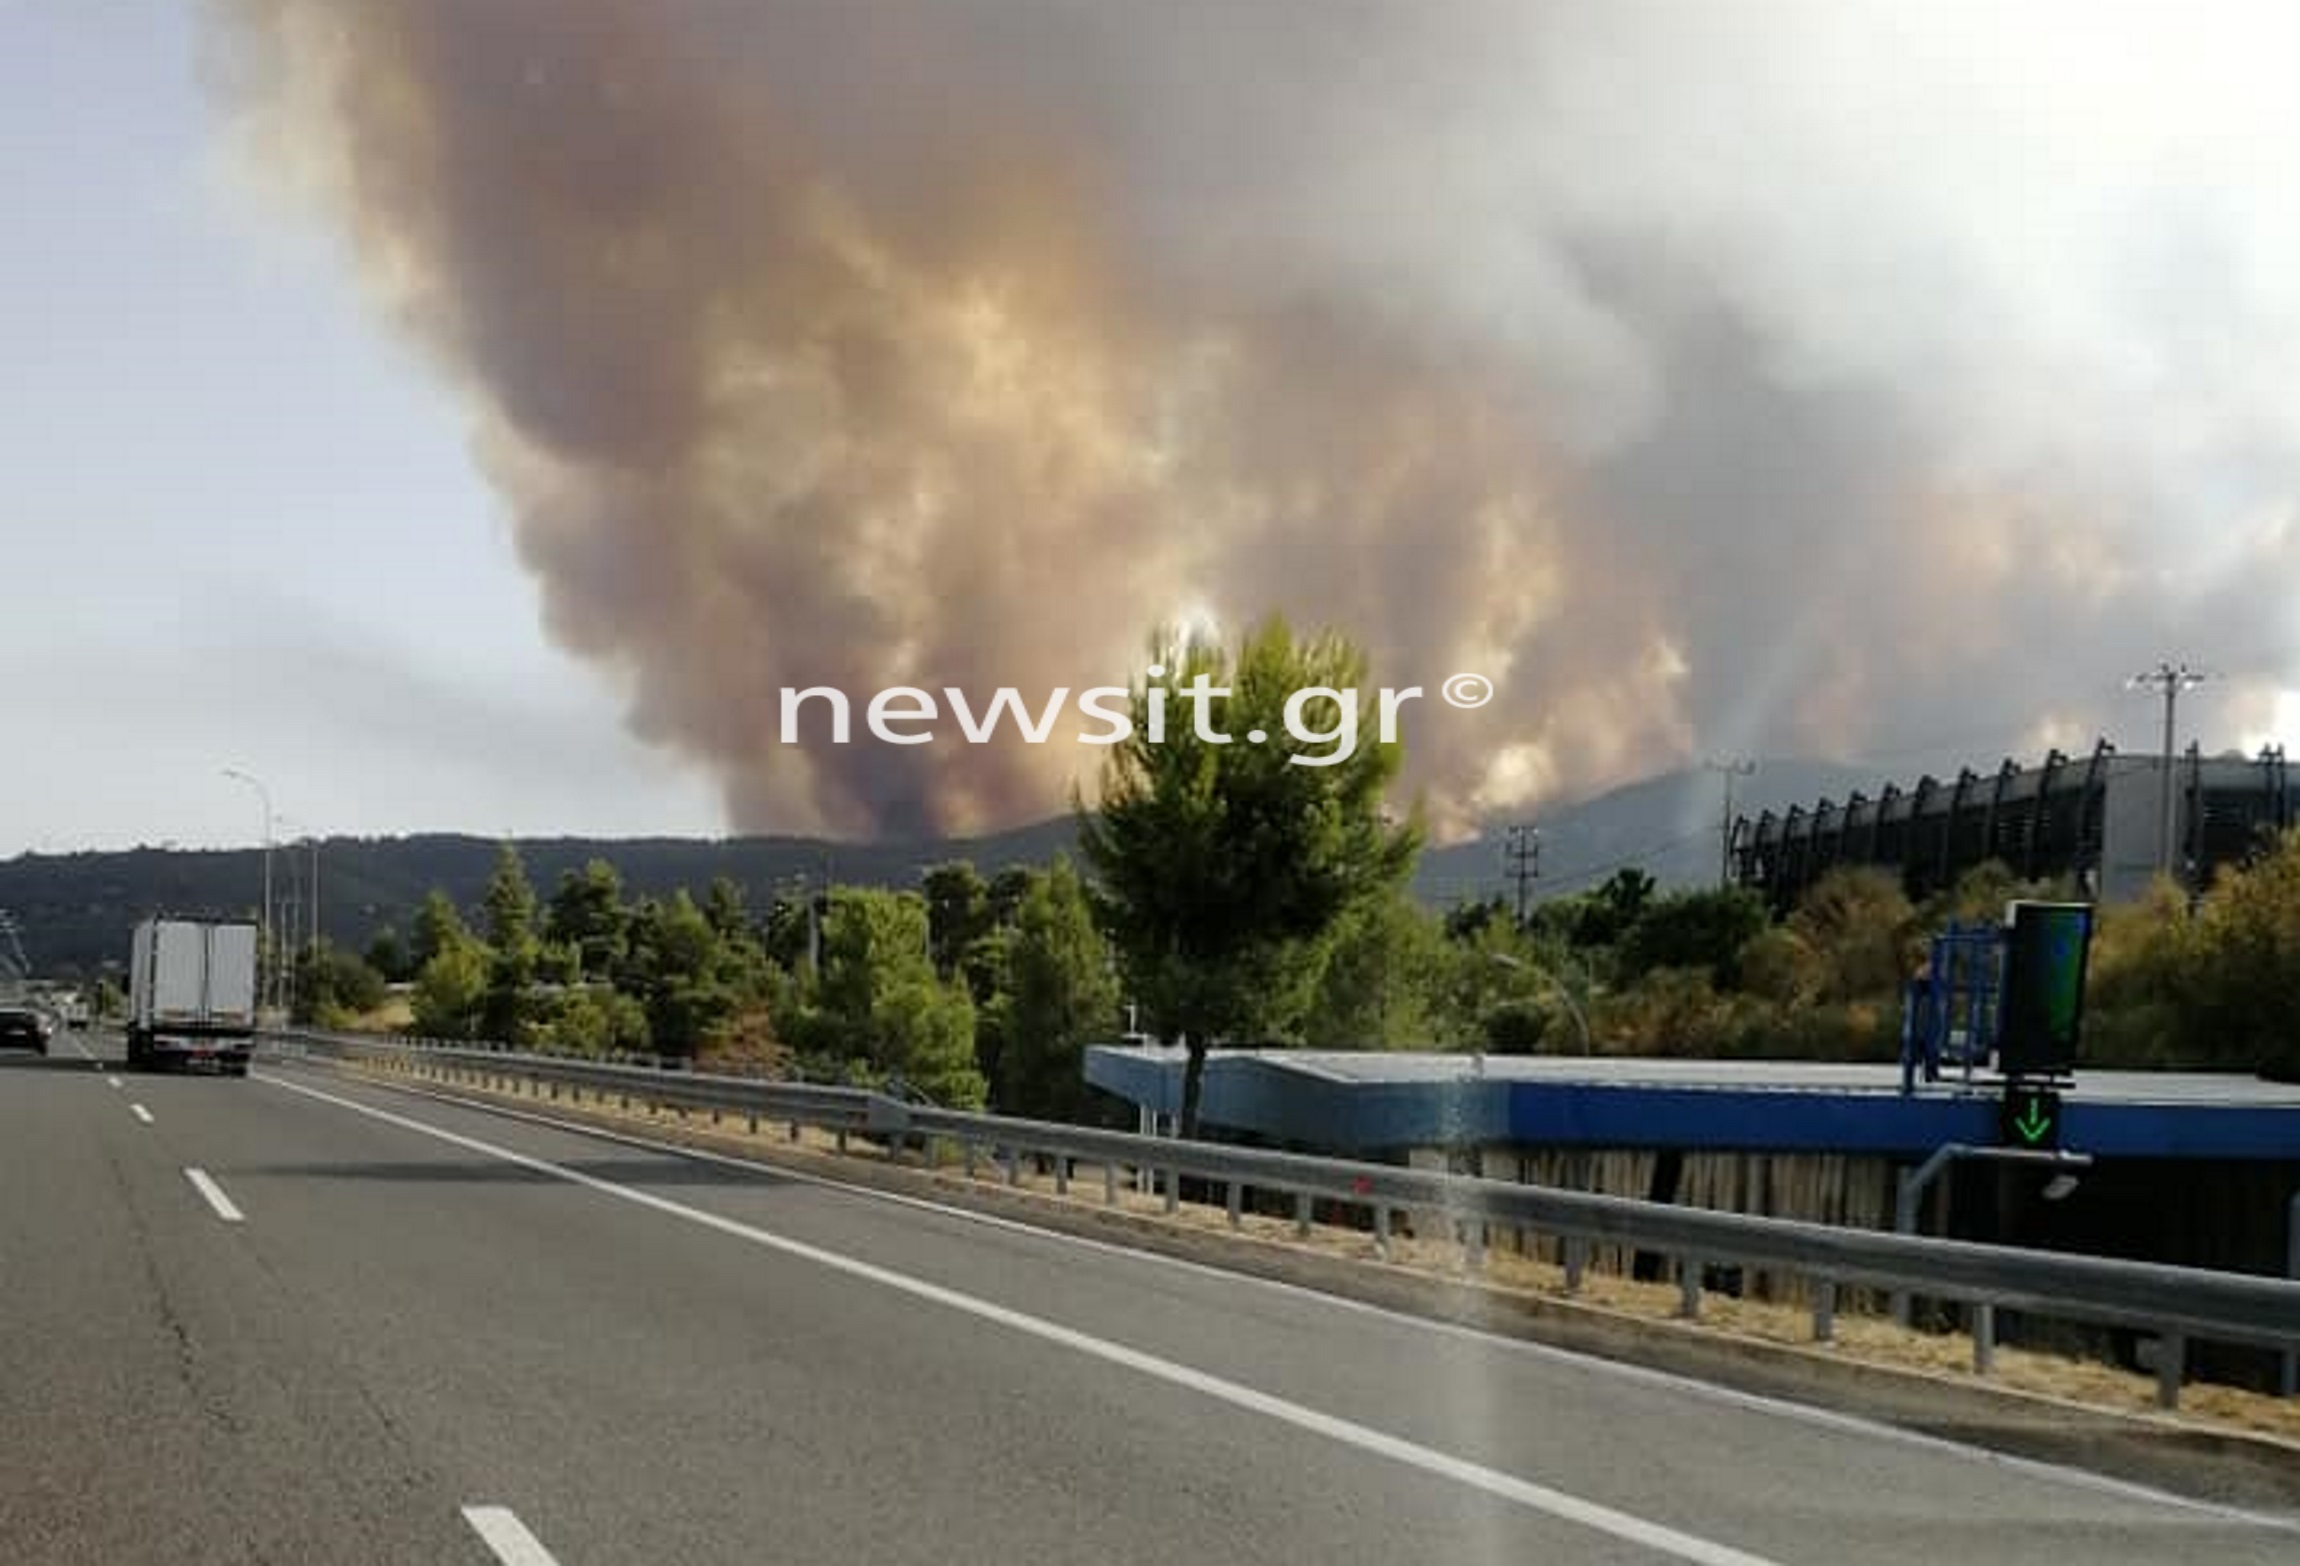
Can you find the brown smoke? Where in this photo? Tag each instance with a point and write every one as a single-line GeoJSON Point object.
{"type": "Point", "coordinates": [836, 342]}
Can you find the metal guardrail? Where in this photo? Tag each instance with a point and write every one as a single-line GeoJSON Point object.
{"type": "Point", "coordinates": [2176, 1304]}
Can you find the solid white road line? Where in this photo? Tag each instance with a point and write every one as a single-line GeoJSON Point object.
{"type": "Point", "coordinates": [2202, 1512]}
{"type": "Point", "coordinates": [141, 1113]}
{"type": "Point", "coordinates": [215, 1195]}
{"type": "Point", "coordinates": [1508, 1487]}
{"type": "Point", "coordinates": [507, 1536]}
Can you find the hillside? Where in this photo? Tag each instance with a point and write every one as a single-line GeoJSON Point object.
{"type": "Point", "coordinates": [1667, 826]}
{"type": "Point", "coordinates": [75, 909]}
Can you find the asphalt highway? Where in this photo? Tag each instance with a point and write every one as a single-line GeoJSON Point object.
{"type": "Point", "coordinates": [301, 1319]}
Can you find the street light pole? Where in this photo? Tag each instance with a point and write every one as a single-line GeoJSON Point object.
{"type": "Point", "coordinates": [2170, 679]}
{"type": "Point", "coordinates": [303, 928]}
{"type": "Point", "coordinates": [1557, 987]}
{"type": "Point", "coordinates": [305, 933]}
{"type": "Point", "coordinates": [265, 794]}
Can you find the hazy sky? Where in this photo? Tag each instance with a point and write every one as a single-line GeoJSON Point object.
{"type": "Point", "coordinates": [788, 340]}
{"type": "Point", "coordinates": [243, 527]}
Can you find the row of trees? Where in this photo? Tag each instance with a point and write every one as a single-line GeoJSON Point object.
{"type": "Point", "coordinates": [2210, 987]}
{"type": "Point", "coordinates": [968, 991]}
{"type": "Point", "coordinates": [973, 989]}
{"type": "Point", "coordinates": [1255, 893]}
{"type": "Point", "coordinates": [1252, 898]}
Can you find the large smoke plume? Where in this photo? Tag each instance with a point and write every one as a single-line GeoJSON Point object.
{"type": "Point", "coordinates": [1768, 377]}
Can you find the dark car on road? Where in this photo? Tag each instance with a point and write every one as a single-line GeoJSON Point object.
{"type": "Point", "coordinates": [22, 1027]}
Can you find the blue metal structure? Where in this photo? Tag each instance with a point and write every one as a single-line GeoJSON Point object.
{"type": "Point", "coordinates": [1375, 1104]}
{"type": "Point", "coordinates": [1949, 1013]}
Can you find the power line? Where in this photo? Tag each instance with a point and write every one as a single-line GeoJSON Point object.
{"type": "Point", "coordinates": [1628, 861]}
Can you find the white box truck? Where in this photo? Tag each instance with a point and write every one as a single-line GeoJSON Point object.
{"type": "Point", "coordinates": [192, 994]}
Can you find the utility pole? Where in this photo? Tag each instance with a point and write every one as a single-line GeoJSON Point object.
{"type": "Point", "coordinates": [818, 911]}
{"type": "Point", "coordinates": [291, 943]}
{"type": "Point", "coordinates": [1737, 767]}
{"type": "Point", "coordinates": [300, 912]}
{"type": "Point", "coordinates": [291, 905]}
{"type": "Point", "coordinates": [2169, 680]}
{"type": "Point", "coordinates": [15, 967]}
{"type": "Point", "coordinates": [267, 991]}
{"type": "Point", "coordinates": [1523, 857]}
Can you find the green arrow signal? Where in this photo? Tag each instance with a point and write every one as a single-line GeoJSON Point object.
{"type": "Point", "coordinates": [2033, 1122]}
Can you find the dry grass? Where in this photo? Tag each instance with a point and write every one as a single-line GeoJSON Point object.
{"type": "Point", "coordinates": [395, 1015]}
{"type": "Point", "coordinates": [1870, 1339]}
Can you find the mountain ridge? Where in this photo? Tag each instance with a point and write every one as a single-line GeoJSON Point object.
{"type": "Point", "coordinates": [75, 908]}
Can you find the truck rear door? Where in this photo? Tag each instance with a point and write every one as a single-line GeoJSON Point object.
{"type": "Point", "coordinates": [179, 973]}
{"type": "Point", "coordinates": [231, 999]}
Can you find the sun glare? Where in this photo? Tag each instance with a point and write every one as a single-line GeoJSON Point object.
{"type": "Point", "coordinates": [1196, 625]}
{"type": "Point", "coordinates": [2283, 728]}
